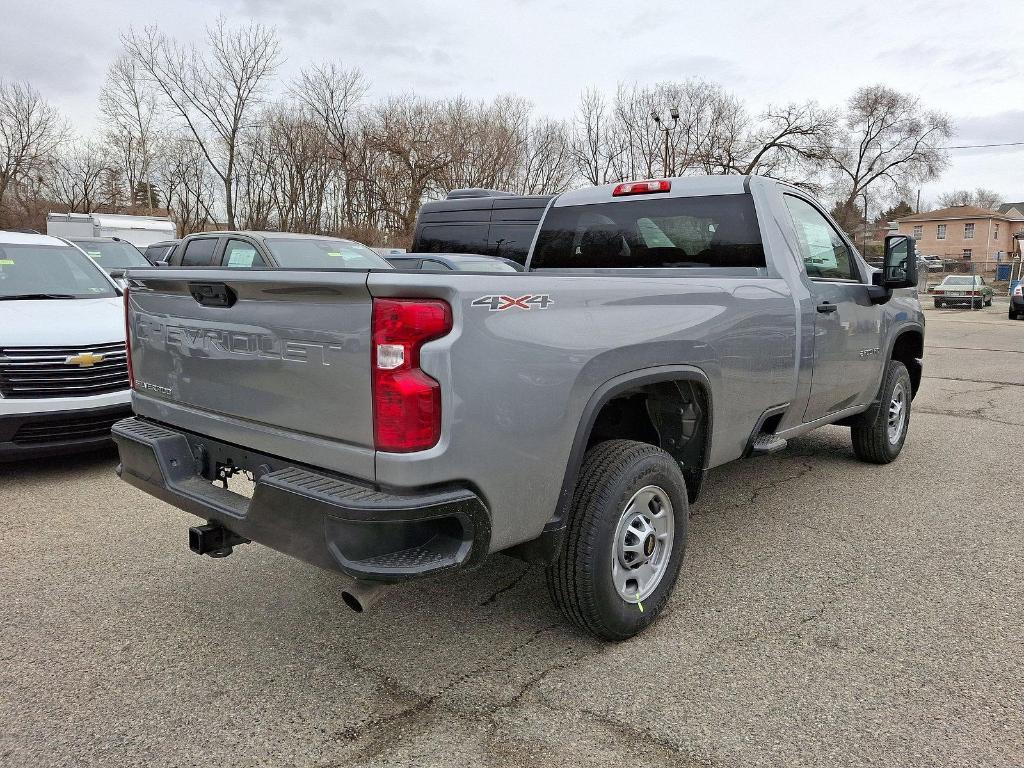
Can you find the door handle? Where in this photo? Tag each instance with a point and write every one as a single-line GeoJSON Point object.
{"type": "Point", "coordinates": [212, 294]}
{"type": "Point", "coordinates": [826, 308]}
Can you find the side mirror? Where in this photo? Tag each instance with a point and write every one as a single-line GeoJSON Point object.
{"type": "Point", "coordinates": [899, 266]}
{"type": "Point", "coordinates": [117, 274]}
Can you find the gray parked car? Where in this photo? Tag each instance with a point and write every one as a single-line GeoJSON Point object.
{"type": "Point", "coordinates": [404, 424]}
{"type": "Point", "coordinates": [452, 262]}
{"type": "Point", "coordinates": [262, 250]}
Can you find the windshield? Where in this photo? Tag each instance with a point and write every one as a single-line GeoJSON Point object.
{"type": "Point", "coordinates": [112, 254]}
{"type": "Point", "coordinates": [326, 253]}
{"type": "Point", "coordinates": [57, 270]}
{"type": "Point", "coordinates": [953, 280]}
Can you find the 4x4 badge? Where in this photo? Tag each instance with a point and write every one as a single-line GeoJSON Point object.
{"type": "Point", "coordinates": [501, 303]}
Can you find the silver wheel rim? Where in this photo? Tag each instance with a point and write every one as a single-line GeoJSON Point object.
{"type": "Point", "coordinates": [642, 547]}
{"type": "Point", "coordinates": [897, 414]}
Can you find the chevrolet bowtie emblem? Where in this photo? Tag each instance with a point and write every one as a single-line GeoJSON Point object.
{"type": "Point", "coordinates": [84, 359]}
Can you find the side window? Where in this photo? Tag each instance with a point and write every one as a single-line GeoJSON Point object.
{"type": "Point", "coordinates": [429, 265]}
{"type": "Point", "coordinates": [453, 238]}
{"type": "Point", "coordinates": [199, 252]}
{"type": "Point", "coordinates": [511, 241]}
{"type": "Point", "coordinates": [240, 254]}
{"type": "Point", "coordinates": [825, 255]}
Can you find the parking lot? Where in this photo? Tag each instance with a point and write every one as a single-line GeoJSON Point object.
{"type": "Point", "coordinates": [830, 613]}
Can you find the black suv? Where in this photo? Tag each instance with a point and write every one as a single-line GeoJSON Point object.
{"type": "Point", "coordinates": [482, 221]}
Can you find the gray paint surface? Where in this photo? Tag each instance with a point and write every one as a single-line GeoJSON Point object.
{"type": "Point", "coordinates": [516, 383]}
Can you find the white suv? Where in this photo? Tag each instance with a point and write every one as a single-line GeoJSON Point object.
{"type": "Point", "coordinates": [63, 371]}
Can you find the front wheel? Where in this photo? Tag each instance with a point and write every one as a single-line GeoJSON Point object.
{"type": "Point", "coordinates": [879, 433]}
{"type": "Point", "coordinates": [624, 541]}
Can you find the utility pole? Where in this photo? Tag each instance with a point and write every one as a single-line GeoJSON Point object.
{"type": "Point", "coordinates": [666, 129]}
{"type": "Point", "coordinates": [865, 196]}
{"type": "Point", "coordinates": [918, 209]}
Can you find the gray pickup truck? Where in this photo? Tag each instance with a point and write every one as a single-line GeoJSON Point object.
{"type": "Point", "coordinates": [398, 425]}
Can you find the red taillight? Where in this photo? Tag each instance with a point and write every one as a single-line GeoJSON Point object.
{"type": "Point", "coordinates": [128, 342]}
{"type": "Point", "coordinates": [642, 187]}
{"type": "Point", "coordinates": [1019, 290]}
{"type": "Point", "coordinates": [406, 402]}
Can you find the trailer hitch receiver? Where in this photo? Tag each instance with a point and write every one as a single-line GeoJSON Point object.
{"type": "Point", "coordinates": [213, 539]}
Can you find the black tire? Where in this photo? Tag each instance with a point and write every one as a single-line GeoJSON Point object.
{"type": "Point", "coordinates": [580, 579]}
{"type": "Point", "coordinates": [938, 304]}
{"type": "Point", "coordinates": [870, 432]}
{"type": "Point", "coordinates": [1012, 315]}
{"type": "Point", "coordinates": [977, 304]}
{"type": "Point", "coordinates": [988, 302]}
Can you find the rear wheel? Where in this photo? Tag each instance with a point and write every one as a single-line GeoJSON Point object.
{"type": "Point", "coordinates": [624, 541]}
{"type": "Point", "coordinates": [988, 302]}
{"type": "Point", "coordinates": [938, 304]}
{"type": "Point", "coordinates": [1012, 314]}
{"type": "Point", "coordinates": [879, 433]}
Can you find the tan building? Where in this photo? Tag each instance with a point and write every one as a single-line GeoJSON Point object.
{"type": "Point", "coordinates": [968, 233]}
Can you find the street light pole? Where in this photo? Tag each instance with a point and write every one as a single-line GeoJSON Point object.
{"type": "Point", "coordinates": [666, 129]}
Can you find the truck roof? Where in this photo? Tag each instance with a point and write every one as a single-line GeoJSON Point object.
{"type": "Point", "coordinates": [268, 235]}
{"type": "Point", "coordinates": [682, 186]}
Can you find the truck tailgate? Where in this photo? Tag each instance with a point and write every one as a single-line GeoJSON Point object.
{"type": "Point", "coordinates": [278, 361]}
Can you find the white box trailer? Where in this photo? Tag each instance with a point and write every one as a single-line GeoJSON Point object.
{"type": "Point", "coordinates": [140, 231]}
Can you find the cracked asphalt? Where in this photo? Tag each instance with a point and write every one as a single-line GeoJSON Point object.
{"type": "Point", "coordinates": [830, 613]}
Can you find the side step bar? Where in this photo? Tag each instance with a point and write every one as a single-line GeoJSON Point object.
{"type": "Point", "coordinates": [765, 443]}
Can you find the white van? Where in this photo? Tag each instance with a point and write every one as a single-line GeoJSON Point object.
{"type": "Point", "coordinates": [63, 369]}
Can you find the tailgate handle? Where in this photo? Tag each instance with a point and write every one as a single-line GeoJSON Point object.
{"type": "Point", "coordinates": [212, 294]}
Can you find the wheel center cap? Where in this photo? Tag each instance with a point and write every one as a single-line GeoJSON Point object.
{"type": "Point", "coordinates": [649, 545]}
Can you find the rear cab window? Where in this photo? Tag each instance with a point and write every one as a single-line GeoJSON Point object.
{"type": "Point", "coordinates": [714, 231]}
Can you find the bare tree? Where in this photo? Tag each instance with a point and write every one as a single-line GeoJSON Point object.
{"type": "Point", "coordinates": [213, 92]}
{"type": "Point", "coordinates": [791, 142]}
{"type": "Point", "coordinates": [78, 178]}
{"type": "Point", "coordinates": [889, 143]}
{"type": "Point", "coordinates": [546, 166]}
{"type": "Point", "coordinates": [406, 151]}
{"type": "Point", "coordinates": [594, 149]}
{"type": "Point", "coordinates": [183, 173]}
{"type": "Point", "coordinates": [980, 197]}
{"type": "Point", "coordinates": [129, 107]}
{"type": "Point", "coordinates": [30, 132]}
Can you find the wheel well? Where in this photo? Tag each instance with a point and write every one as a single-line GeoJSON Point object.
{"type": "Point", "coordinates": [674, 415]}
{"type": "Point", "coordinates": [909, 349]}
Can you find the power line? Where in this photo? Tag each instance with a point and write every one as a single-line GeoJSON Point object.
{"type": "Point", "coordinates": [983, 146]}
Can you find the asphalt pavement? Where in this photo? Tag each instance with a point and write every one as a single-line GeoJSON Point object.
{"type": "Point", "coordinates": [830, 613]}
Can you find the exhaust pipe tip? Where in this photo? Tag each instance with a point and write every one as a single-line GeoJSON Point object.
{"type": "Point", "coordinates": [361, 595]}
{"type": "Point", "coordinates": [352, 601]}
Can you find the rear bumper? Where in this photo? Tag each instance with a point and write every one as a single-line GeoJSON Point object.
{"type": "Point", "coordinates": [54, 433]}
{"type": "Point", "coordinates": [321, 518]}
{"type": "Point", "coordinates": [959, 300]}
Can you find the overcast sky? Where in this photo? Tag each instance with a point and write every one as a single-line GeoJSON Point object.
{"type": "Point", "coordinates": [966, 58]}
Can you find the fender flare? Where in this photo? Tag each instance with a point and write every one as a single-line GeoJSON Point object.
{"type": "Point", "coordinates": [910, 327]}
{"type": "Point", "coordinates": [545, 548]}
{"type": "Point", "coordinates": [602, 395]}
